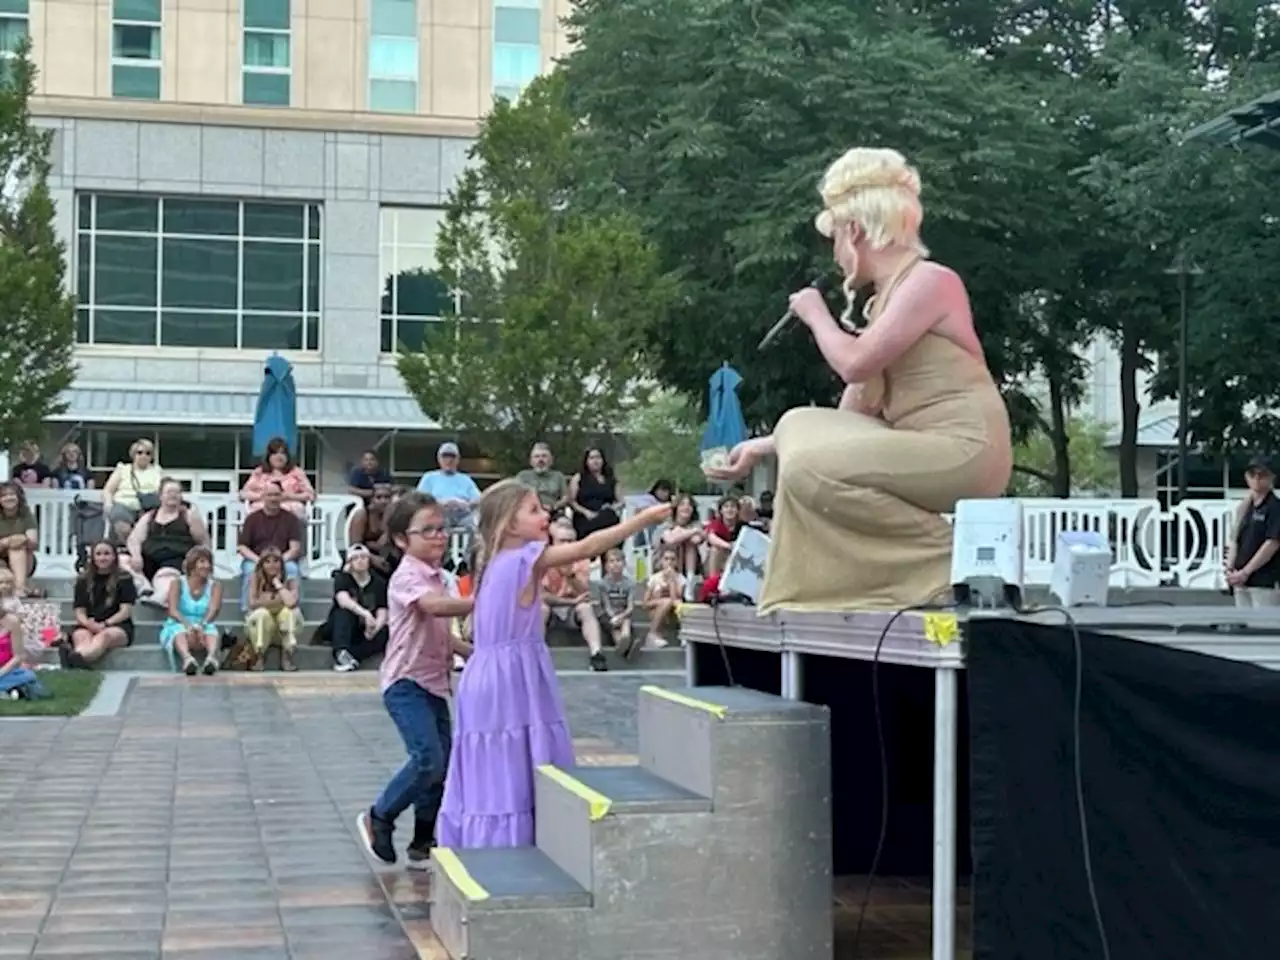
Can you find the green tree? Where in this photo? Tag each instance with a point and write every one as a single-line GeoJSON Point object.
{"type": "Point", "coordinates": [663, 439]}
{"type": "Point", "coordinates": [1094, 469]}
{"type": "Point", "coordinates": [557, 300]}
{"type": "Point", "coordinates": [37, 317]}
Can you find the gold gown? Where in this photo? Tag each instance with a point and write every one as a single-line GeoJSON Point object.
{"type": "Point", "coordinates": [857, 513]}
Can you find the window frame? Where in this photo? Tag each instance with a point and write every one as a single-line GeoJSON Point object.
{"type": "Point", "coordinates": [156, 64]}
{"type": "Point", "coordinates": [505, 87]}
{"type": "Point", "coordinates": [309, 246]}
{"type": "Point", "coordinates": [389, 239]}
{"type": "Point", "coordinates": [374, 77]}
{"type": "Point", "coordinates": [247, 70]}
{"type": "Point", "coordinates": [7, 16]}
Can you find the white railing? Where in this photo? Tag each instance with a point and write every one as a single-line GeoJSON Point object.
{"type": "Point", "coordinates": [1184, 545]}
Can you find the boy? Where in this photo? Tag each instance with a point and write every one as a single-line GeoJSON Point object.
{"type": "Point", "coordinates": [415, 679]}
{"type": "Point", "coordinates": [613, 598]}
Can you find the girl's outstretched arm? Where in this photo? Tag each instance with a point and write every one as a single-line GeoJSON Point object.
{"type": "Point", "coordinates": [563, 554]}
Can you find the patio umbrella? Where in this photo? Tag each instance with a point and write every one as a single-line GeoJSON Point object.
{"type": "Point", "coordinates": [725, 424]}
{"type": "Point", "coordinates": [277, 414]}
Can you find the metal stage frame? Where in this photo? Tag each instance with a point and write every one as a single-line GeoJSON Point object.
{"type": "Point", "coordinates": [935, 641]}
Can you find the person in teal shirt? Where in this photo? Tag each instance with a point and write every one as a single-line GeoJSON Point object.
{"type": "Point", "coordinates": [454, 490]}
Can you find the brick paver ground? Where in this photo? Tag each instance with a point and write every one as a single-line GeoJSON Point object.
{"type": "Point", "coordinates": [214, 819]}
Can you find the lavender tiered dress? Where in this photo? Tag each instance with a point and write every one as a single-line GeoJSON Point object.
{"type": "Point", "coordinates": [508, 714]}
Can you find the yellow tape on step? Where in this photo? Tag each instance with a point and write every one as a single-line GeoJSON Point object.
{"type": "Point", "coordinates": [459, 875]}
{"type": "Point", "coordinates": [598, 805]}
{"type": "Point", "coordinates": [715, 709]}
{"type": "Point", "coordinates": [941, 628]}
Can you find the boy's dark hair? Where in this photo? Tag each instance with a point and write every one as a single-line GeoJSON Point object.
{"type": "Point", "coordinates": [614, 552]}
{"type": "Point", "coordinates": [401, 514]}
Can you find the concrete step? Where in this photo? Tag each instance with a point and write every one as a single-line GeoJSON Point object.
{"type": "Point", "coordinates": [313, 611]}
{"type": "Point", "coordinates": [724, 826]}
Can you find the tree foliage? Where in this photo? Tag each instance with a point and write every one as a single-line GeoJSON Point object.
{"type": "Point", "coordinates": [556, 301]}
{"type": "Point", "coordinates": [662, 440]}
{"type": "Point", "coordinates": [1094, 471]}
{"type": "Point", "coordinates": [37, 316]}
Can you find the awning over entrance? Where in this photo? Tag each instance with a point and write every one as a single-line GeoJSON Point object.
{"type": "Point", "coordinates": [354, 410]}
{"type": "Point", "coordinates": [1257, 121]}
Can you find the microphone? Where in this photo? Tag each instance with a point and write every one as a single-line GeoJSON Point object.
{"type": "Point", "coordinates": [785, 320]}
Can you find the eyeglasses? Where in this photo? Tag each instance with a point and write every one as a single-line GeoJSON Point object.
{"type": "Point", "coordinates": [430, 531]}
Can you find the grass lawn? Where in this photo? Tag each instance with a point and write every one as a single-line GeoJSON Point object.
{"type": "Point", "coordinates": [72, 690]}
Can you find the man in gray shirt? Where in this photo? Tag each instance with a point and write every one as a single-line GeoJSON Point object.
{"type": "Point", "coordinates": [553, 489]}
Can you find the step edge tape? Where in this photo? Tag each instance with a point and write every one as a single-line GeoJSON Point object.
{"type": "Point", "coordinates": [598, 805]}
{"type": "Point", "coordinates": [459, 875]}
{"type": "Point", "coordinates": [715, 709]}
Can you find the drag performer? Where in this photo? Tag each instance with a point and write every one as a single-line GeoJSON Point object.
{"type": "Point", "coordinates": [861, 488]}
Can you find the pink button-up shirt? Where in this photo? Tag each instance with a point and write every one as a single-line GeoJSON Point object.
{"type": "Point", "coordinates": [419, 646]}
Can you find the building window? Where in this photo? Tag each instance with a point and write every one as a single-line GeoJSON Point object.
{"type": "Point", "coordinates": [393, 57]}
{"type": "Point", "coordinates": [408, 456]}
{"type": "Point", "coordinates": [13, 30]}
{"type": "Point", "coordinates": [517, 45]}
{"type": "Point", "coordinates": [186, 272]}
{"type": "Point", "coordinates": [414, 298]}
{"type": "Point", "coordinates": [267, 69]}
{"type": "Point", "coordinates": [136, 51]}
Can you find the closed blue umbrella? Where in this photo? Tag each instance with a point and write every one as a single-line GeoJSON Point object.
{"type": "Point", "coordinates": [726, 426]}
{"type": "Point", "coordinates": [277, 414]}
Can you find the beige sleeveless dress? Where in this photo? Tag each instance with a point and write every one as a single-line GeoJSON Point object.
{"type": "Point", "coordinates": [857, 522]}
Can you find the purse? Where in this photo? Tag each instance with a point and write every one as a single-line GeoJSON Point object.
{"type": "Point", "coordinates": [146, 501]}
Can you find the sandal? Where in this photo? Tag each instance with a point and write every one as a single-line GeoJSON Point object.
{"type": "Point", "coordinates": [287, 663]}
{"type": "Point", "coordinates": [190, 667]}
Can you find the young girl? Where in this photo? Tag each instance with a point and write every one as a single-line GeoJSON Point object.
{"type": "Point", "coordinates": [194, 599]}
{"type": "Point", "coordinates": [415, 679]}
{"type": "Point", "coordinates": [508, 711]}
{"type": "Point", "coordinates": [104, 599]}
{"type": "Point", "coordinates": [273, 610]}
{"type": "Point", "coordinates": [662, 595]}
{"type": "Point", "coordinates": [685, 535]}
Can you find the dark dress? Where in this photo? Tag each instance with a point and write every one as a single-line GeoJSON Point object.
{"type": "Point", "coordinates": [91, 597]}
{"type": "Point", "coordinates": [166, 544]}
{"type": "Point", "coordinates": [597, 496]}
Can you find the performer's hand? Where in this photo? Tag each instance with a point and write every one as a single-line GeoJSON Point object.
{"type": "Point", "coordinates": [809, 306]}
{"type": "Point", "coordinates": [742, 459]}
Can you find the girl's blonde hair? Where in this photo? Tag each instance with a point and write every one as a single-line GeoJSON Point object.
{"type": "Point", "coordinates": [260, 583]}
{"type": "Point", "coordinates": [499, 505]}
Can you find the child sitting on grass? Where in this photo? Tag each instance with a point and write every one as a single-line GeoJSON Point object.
{"type": "Point", "coordinates": [16, 678]}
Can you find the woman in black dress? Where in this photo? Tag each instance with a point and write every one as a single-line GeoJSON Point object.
{"type": "Point", "coordinates": [593, 494]}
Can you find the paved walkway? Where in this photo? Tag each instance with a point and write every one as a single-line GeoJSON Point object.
{"type": "Point", "coordinates": [213, 820]}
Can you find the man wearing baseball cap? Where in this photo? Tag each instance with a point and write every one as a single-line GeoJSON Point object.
{"type": "Point", "coordinates": [1253, 558]}
{"type": "Point", "coordinates": [454, 490]}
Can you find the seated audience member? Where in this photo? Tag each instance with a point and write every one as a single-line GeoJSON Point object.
{"type": "Point", "coordinates": [662, 596]}
{"type": "Point", "coordinates": [273, 618]}
{"type": "Point", "coordinates": [722, 530]}
{"type": "Point", "coordinates": [277, 467]}
{"type": "Point", "coordinates": [104, 599]}
{"type": "Point", "coordinates": [366, 475]}
{"type": "Point", "coordinates": [368, 527]}
{"type": "Point", "coordinates": [132, 489]}
{"type": "Point", "coordinates": [764, 511]}
{"type": "Point", "coordinates": [30, 470]}
{"type": "Point", "coordinates": [161, 540]}
{"type": "Point", "coordinates": [272, 526]}
{"type": "Point", "coordinates": [613, 599]}
{"type": "Point", "coordinates": [16, 674]}
{"type": "Point", "coordinates": [685, 535]}
{"type": "Point", "coordinates": [452, 488]}
{"type": "Point", "coordinates": [70, 472]}
{"type": "Point", "coordinates": [566, 598]}
{"type": "Point", "coordinates": [18, 536]}
{"type": "Point", "coordinates": [550, 484]}
{"type": "Point", "coordinates": [194, 601]}
{"type": "Point", "coordinates": [358, 620]}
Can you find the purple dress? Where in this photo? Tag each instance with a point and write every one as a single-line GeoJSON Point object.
{"type": "Point", "coordinates": [508, 714]}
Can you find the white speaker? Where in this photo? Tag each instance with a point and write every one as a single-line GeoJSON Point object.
{"type": "Point", "coordinates": [986, 550]}
{"type": "Point", "coordinates": [1081, 569]}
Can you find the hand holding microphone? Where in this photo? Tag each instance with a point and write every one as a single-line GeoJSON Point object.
{"type": "Point", "coordinates": [804, 305]}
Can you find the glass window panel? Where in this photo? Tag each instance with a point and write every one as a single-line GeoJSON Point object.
{"type": "Point", "coordinates": [106, 448]}
{"type": "Point", "coordinates": [136, 327]}
{"type": "Point", "coordinates": [313, 278]}
{"type": "Point", "coordinates": [84, 208]}
{"type": "Point", "coordinates": [388, 335]}
{"type": "Point", "coordinates": [20, 7]}
{"type": "Point", "coordinates": [387, 224]}
{"type": "Point", "coordinates": [272, 332]}
{"type": "Point", "coordinates": [266, 50]}
{"type": "Point", "coordinates": [268, 14]}
{"type": "Point", "coordinates": [84, 260]}
{"type": "Point", "coordinates": [135, 83]}
{"type": "Point", "coordinates": [200, 274]}
{"type": "Point", "coordinates": [124, 271]}
{"type": "Point", "coordinates": [266, 89]}
{"type": "Point", "coordinates": [393, 58]}
{"type": "Point", "coordinates": [420, 293]}
{"type": "Point", "coordinates": [313, 333]}
{"type": "Point", "coordinates": [147, 11]}
{"type": "Point", "coordinates": [136, 43]}
{"type": "Point", "coordinates": [128, 214]}
{"type": "Point", "coordinates": [12, 32]}
{"type": "Point", "coordinates": [393, 96]}
{"type": "Point", "coordinates": [388, 286]}
{"type": "Point", "coordinates": [218, 218]}
{"type": "Point", "coordinates": [515, 64]}
{"type": "Point", "coordinates": [516, 25]}
{"type": "Point", "coordinates": [394, 18]}
{"type": "Point", "coordinates": [415, 336]}
{"type": "Point", "coordinates": [410, 454]}
{"type": "Point", "coordinates": [196, 449]}
{"type": "Point", "coordinates": [313, 221]}
{"type": "Point", "coordinates": [273, 220]}
{"type": "Point", "coordinates": [506, 92]}
{"type": "Point", "coordinates": [196, 329]}
{"type": "Point", "coordinates": [82, 325]}
{"type": "Point", "coordinates": [418, 226]}
{"type": "Point", "coordinates": [414, 259]}
{"type": "Point", "coordinates": [273, 276]}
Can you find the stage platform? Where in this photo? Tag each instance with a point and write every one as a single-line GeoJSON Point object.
{"type": "Point", "coordinates": [802, 642]}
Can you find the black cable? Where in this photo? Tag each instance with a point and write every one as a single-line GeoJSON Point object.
{"type": "Point", "coordinates": [884, 760]}
{"type": "Point", "coordinates": [724, 650]}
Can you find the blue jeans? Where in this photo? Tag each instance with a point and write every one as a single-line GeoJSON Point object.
{"type": "Point", "coordinates": [423, 721]}
{"type": "Point", "coordinates": [246, 576]}
{"type": "Point", "coordinates": [17, 677]}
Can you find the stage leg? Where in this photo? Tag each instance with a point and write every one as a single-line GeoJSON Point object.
{"type": "Point", "coordinates": [792, 675]}
{"type": "Point", "coordinates": [945, 725]}
{"type": "Point", "coordinates": [690, 664]}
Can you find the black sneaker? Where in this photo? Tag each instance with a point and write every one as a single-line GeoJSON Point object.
{"type": "Point", "coordinates": [191, 668]}
{"type": "Point", "coordinates": [598, 663]}
{"type": "Point", "coordinates": [376, 835]}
